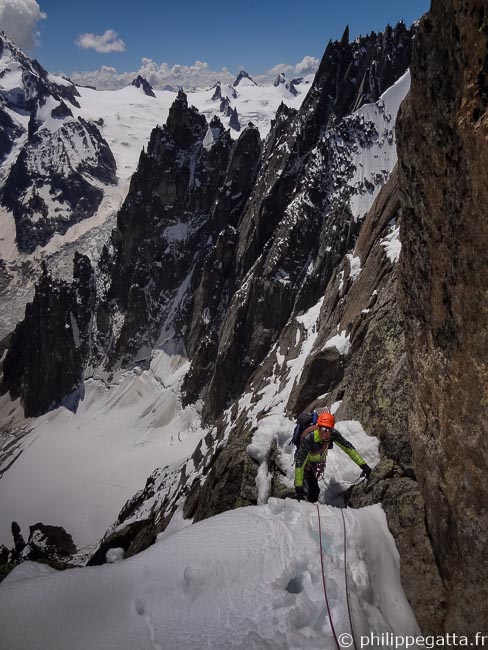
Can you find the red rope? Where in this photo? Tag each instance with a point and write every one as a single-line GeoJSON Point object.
{"type": "Point", "coordinates": [347, 586]}
{"type": "Point", "coordinates": [323, 582]}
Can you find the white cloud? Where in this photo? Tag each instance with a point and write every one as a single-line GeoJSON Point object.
{"type": "Point", "coordinates": [308, 65]}
{"type": "Point", "coordinates": [108, 42]}
{"type": "Point", "coordinates": [18, 19]}
{"type": "Point", "coordinates": [159, 75]}
{"type": "Point", "coordinates": [197, 75]}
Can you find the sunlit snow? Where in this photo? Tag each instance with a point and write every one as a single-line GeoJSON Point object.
{"type": "Point", "coordinates": [79, 469]}
{"type": "Point", "coordinates": [248, 579]}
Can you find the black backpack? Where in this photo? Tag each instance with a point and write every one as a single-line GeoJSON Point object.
{"type": "Point", "coordinates": [304, 420]}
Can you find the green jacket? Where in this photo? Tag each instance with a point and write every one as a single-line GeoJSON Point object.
{"type": "Point", "coordinates": [314, 450]}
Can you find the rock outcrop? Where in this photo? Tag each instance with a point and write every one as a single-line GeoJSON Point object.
{"type": "Point", "coordinates": [48, 350]}
{"type": "Point", "coordinates": [50, 545]}
{"type": "Point", "coordinates": [443, 153]}
{"type": "Point", "coordinates": [244, 77]}
{"type": "Point", "coordinates": [404, 507]}
{"type": "Point", "coordinates": [140, 82]}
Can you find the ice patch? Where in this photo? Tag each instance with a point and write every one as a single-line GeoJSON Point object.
{"type": "Point", "coordinates": [392, 245]}
{"type": "Point", "coordinates": [341, 342]}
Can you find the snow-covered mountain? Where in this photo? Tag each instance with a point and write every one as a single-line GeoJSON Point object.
{"type": "Point", "coordinates": [244, 281]}
{"type": "Point", "coordinates": [67, 155]}
{"type": "Point", "coordinates": [53, 130]}
{"type": "Point", "coordinates": [53, 162]}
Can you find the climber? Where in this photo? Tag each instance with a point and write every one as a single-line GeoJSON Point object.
{"type": "Point", "coordinates": [311, 455]}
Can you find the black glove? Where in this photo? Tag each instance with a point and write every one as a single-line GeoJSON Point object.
{"type": "Point", "coordinates": [366, 470]}
{"type": "Point", "coordinates": [300, 492]}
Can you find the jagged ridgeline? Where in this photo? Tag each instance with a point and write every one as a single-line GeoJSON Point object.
{"type": "Point", "coordinates": [218, 243]}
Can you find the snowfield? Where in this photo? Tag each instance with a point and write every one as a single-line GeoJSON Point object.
{"type": "Point", "coordinates": [246, 579]}
{"type": "Point", "coordinates": [77, 470]}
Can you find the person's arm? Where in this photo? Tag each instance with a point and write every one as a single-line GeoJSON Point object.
{"type": "Point", "coordinates": [349, 449]}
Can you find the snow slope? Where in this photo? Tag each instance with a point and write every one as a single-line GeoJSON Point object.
{"type": "Point", "coordinates": [248, 579]}
{"type": "Point", "coordinates": [379, 159]}
{"type": "Point", "coordinates": [77, 470]}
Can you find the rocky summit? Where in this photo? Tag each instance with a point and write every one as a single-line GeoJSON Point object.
{"type": "Point", "coordinates": [338, 261]}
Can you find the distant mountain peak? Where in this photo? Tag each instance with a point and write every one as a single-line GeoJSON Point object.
{"type": "Point", "coordinates": [140, 82]}
{"type": "Point", "coordinates": [280, 79]}
{"type": "Point", "coordinates": [217, 91]}
{"type": "Point", "coordinates": [244, 79]}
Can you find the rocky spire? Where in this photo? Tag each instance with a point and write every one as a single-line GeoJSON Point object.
{"type": "Point", "coordinates": [280, 79]}
{"type": "Point", "coordinates": [244, 78]}
{"type": "Point", "coordinates": [234, 120]}
{"type": "Point", "coordinates": [140, 82]}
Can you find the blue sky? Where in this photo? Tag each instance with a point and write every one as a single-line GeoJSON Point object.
{"type": "Point", "coordinates": [255, 36]}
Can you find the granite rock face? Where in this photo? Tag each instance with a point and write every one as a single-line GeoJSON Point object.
{"type": "Point", "coordinates": [192, 183]}
{"type": "Point", "coordinates": [404, 507]}
{"type": "Point", "coordinates": [443, 153]}
{"type": "Point", "coordinates": [296, 226]}
{"type": "Point", "coordinates": [371, 379]}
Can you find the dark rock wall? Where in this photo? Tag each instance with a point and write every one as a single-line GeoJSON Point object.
{"type": "Point", "coordinates": [182, 198]}
{"type": "Point", "coordinates": [292, 220]}
{"type": "Point", "coordinates": [371, 380]}
{"type": "Point", "coordinates": [443, 153]}
{"type": "Point", "coordinates": [48, 350]}
{"type": "Point", "coordinates": [404, 506]}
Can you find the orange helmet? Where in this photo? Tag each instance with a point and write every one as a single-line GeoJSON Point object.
{"type": "Point", "coordinates": [326, 420]}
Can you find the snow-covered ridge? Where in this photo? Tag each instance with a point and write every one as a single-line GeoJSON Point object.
{"type": "Point", "coordinates": [249, 579]}
{"type": "Point", "coordinates": [126, 117]}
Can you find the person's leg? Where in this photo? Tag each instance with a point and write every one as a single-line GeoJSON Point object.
{"type": "Point", "coordinates": [311, 485]}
